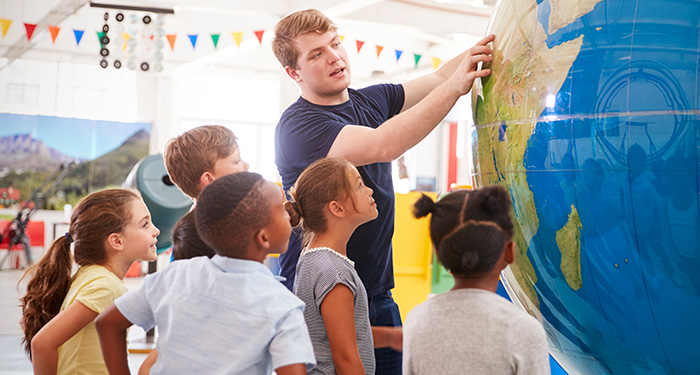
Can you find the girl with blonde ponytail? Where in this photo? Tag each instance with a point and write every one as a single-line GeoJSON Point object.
{"type": "Point", "coordinates": [109, 230]}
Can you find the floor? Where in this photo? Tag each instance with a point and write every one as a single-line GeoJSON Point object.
{"type": "Point", "coordinates": [13, 360]}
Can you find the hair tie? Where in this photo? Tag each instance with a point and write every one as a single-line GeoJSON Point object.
{"type": "Point", "coordinates": [68, 237]}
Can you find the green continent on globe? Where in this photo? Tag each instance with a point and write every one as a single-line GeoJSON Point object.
{"type": "Point", "coordinates": [569, 242]}
{"type": "Point", "coordinates": [524, 72]}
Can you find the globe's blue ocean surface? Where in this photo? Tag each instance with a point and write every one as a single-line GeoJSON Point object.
{"type": "Point", "coordinates": [590, 119]}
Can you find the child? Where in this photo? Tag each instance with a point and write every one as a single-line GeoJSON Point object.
{"type": "Point", "coordinates": [197, 157]}
{"type": "Point", "coordinates": [471, 329]}
{"type": "Point", "coordinates": [109, 230]}
{"type": "Point", "coordinates": [226, 314]}
{"type": "Point", "coordinates": [330, 200]}
{"type": "Point", "coordinates": [186, 241]}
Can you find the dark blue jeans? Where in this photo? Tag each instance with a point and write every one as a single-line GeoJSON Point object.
{"type": "Point", "coordinates": [384, 312]}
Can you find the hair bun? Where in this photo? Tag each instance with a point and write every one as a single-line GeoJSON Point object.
{"type": "Point", "coordinates": [423, 206]}
{"type": "Point", "coordinates": [294, 212]}
{"type": "Point", "coordinates": [494, 199]}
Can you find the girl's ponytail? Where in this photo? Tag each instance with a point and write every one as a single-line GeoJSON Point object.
{"type": "Point", "coordinates": [47, 289]}
{"type": "Point", "coordinates": [473, 248]}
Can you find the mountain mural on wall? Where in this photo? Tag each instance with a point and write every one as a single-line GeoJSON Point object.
{"type": "Point", "coordinates": [32, 147]}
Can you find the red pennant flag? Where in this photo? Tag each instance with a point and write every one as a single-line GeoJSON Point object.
{"type": "Point", "coordinates": [379, 50]}
{"type": "Point", "coordinates": [259, 34]}
{"type": "Point", "coordinates": [54, 32]}
{"type": "Point", "coordinates": [171, 40]}
{"type": "Point", "coordinates": [30, 30]}
{"type": "Point", "coordinates": [359, 45]}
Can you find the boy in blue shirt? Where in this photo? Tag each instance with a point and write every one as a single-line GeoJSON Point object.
{"type": "Point", "coordinates": [227, 314]}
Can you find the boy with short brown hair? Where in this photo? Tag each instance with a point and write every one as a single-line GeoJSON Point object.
{"type": "Point", "coordinates": [197, 157]}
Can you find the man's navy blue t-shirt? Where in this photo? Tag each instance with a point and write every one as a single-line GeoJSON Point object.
{"type": "Point", "coordinates": [304, 134]}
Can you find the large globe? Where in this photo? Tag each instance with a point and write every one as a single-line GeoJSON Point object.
{"type": "Point", "coordinates": [590, 120]}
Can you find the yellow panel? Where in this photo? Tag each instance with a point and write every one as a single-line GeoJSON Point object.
{"type": "Point", "coordinates": [412, 254]}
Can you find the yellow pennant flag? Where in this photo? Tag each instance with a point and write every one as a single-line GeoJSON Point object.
{"type": "Point", "coordinates": [436, 63]}
{"type": "Point", "coordinates": [126, 37]}
{"type": "Point", "coordinates": [5, 25]}
{"type": "Point", "coordinates": [238, 36]}
{"type": "Point", "coordinates": [341, 38]}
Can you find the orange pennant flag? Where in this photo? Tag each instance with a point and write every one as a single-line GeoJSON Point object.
{"type": "Point", "coordinates": [30, 30]}
{"type": "Point", "coordinates": [259, 34]}
{"type": "Point", "coordinates": [436, 63]}
{"type": "Point", "coordinates": [126, 38]}
{"type": "Point", "coordinates": [171, 40]}
{"type": "Point", "coordinates": [54, 33]}
{"type": "Point", "coordinates": [5, 25]}
{"type": "Point", "coordinates": [238, 37]}
{"type": "Point", "coordinates": [359, 45]}
{"type": "Point", "coordinates": [341, 38]}
{"type": "Point", "coordinates": [379, 50]}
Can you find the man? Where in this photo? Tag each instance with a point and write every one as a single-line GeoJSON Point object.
{"type": "Point", "coordinates": [369, 127]}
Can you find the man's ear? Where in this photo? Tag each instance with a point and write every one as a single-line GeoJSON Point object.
{"type": "Point", "coordinates": [509, 253]}
{"type": "Point", "coordinates": [262, 239]}
{"type": "Point", "coordinates": [115, 241]}
{"type": "Point", "coordinates": [293, 73]}
{"type": "Point", "coordinates": [336, 209]}
{"type": "Point", "coordinates": [206, 178]}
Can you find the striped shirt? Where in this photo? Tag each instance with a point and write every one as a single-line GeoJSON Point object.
{"type": "Point", "coordinates": [319, 270]}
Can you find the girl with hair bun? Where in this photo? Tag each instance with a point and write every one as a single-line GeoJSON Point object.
{"type": "Point", "coordinates": [109, 230]}
{"type": "Point", "coordinates": [471, 329]}
{"type": "Point", "coordinates": [329, 201]}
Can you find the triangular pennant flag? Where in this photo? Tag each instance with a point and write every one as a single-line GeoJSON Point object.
{"type": "Point", "coordinates": [259, 34]}
{"type": "Point", "coordinates": [215, 39]}
{"type": "Point", "coordinates": [341, 38]}
{"type": "Point", "coordinates": [193, 39]}
{"type": "Point", "coordinates": [171, 40]}
{"type": "Point", "coordinates": [436, 63]}
{"type": "Point", "coordinates": [359, 45]}
{"type": "Point", "coordinates": [237, 36]}
{"type": "Point", "coordinates": [398, 54]}
{"type": "Point", "coordinates": [416, 58]}
{"type": "Point", "coordinates": [30, 30]}
{"type": "Point", "coordinates": [54, 32]}
{"type": "Point", "coordinates": [100, 34]}
{"type": "Point", "coordinates": [379, 50]}
{"type": "Point", "coordinates": [5, 25]}
{"type": "Point", "coordinates": [126, 38]}
{"type": "Point", "coordinates": [78, 36]}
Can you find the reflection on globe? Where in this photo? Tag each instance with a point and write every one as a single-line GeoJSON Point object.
{"type": "Point", "coordinates": [590, 119]}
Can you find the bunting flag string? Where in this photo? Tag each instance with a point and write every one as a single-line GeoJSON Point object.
{"type": "Point", "coordinates": [30, 29]}
{"type": "Point", "coordinates": [237, 37]}
{"type": "Point", "coordinates": [78, 36]}
{"type": "Point", "coordinates": [379, 50]}
{"type": "Point", "coordinates": [54, 33]}
{"type": "Point", "coordinates": [259, 35]}
{"type": "Point", "coordinates": [5, 24]}
{"type": "Point", "coordinates": [193, 39]}
{"type": "Point", "coordinates": [215, 37]}
{"type": "Point", "coordinates": [171, 40]}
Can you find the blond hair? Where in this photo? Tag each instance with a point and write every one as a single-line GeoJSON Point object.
{"type": "Point", "coordinates": [295, 24]}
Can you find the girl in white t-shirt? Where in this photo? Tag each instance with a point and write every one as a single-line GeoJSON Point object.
{"type": "Point", "coordinates": [109, 230]}
{"type": "Point", "coordinates": [471, 329]}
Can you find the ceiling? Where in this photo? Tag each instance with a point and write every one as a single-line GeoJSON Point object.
{"type": "Point", "coordinates": [429, 28]}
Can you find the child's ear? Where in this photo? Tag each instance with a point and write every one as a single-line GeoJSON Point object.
{"type": "Point", "coordinates": [115, 241]}
{"type": "Point", "coordinates": [291, 72]}
{"type": "Point", "coordinates": [336, 209]}
{"type": "Point", "coordinates": [206, 178]}
{"type": "Point", "coordinates": [509, 254]}
{"type": "Point", "coordinates": [262, 239]}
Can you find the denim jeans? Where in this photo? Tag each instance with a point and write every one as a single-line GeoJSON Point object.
{"type": "Point", "coordinates": [384, 312]}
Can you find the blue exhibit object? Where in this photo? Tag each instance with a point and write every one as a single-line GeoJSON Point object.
{"type": "Point", "coordinates": [164, 200]}
{"type": "Point", "coordinates": [590, 119]}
